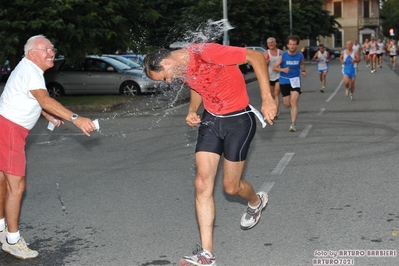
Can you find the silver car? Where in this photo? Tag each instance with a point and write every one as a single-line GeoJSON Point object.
{"type": "Point", "coordinates": [97, 75]}
{"type": "Point", "coordinates": [128, 61]}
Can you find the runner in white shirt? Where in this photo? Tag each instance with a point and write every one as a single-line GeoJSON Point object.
{"type": "Point", "coordinates": [323, 58]}
{"type": "Point", "coordinates": [373, 53]}
{"type": "Point", "coordinates": [392, 49]}
{"type": "Point", "coordinates": [271, 56]}
{"type": "Point", "coordinates": [356, 48]}
{"type": "Point", "coordinates": [380, 52]}
{"type": "Point", "coordinates": [365, 49]}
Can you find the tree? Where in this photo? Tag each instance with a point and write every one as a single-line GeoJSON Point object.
{"type": "Point", "coordinates": [80, 27]}
{"type": "Point", "coordinates": [76, 27]}
{"type": "Point", "coordinates": [390, 17]}
{"type": "Point", "coordinates": [253, 20]}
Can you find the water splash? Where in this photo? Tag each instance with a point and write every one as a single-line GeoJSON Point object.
{"type": "Point", "coordinates": [209, 31]}
{"type": "Point", "coordinates": [171, 95]}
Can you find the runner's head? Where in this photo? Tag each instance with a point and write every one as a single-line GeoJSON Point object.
{"type": "Point", "coordinates": [292, 43]}
{"type": "Point", "coordinates": [349, 45]}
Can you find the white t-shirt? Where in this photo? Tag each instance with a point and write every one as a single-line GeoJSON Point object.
{"type": "Point", "coordinates": [380, 49]}
{"type": "Point", "coordinates": [17, 104]}
{"type": "Point", "coordinates": [373, 47]}
{"type": "Point", "coordinates": [273, 75]}
{"type": "Point", "coordinates": [322, 64]}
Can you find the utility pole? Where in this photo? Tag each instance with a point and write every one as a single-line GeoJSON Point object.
{"type": "Point", "coordinates": [226, 35]}
{"type": "Point", "coordinates": [290, 7]}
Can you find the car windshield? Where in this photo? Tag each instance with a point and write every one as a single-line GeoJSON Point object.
{"type": "Point", "coordinates": [126, 61]}
{"type": "Point", "coordinates": [116, 63]}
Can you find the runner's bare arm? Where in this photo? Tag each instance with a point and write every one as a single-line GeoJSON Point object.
{"type": "Point", "coordinates": [269, 107]}
{"type": "Point", "coordinates": [303, 67]}
{"type": "Point", "coordinates": [57, 110]}
{"type": "Point", "coordinates": [193, 119]}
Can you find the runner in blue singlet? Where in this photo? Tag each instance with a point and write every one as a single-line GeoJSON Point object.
{"type": "Point", "coordinates": [349, 58]}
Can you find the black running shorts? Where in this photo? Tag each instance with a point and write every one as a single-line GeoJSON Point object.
{"type": "Point", "coordinates": [231, 134]}
{"type": "Point", "coordinates": [273, 82]}
{"type": "Point", "coordinates": [286, 89]}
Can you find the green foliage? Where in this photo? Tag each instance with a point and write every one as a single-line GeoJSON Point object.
{"type": "Point", "coordinates": [80, 27]}
{"type": "Point", "coordinates": [390, 15]}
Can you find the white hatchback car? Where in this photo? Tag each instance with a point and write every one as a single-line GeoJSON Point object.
{"type": "Point", "coordinates": [98, 75]}
{"type": "Point", "coordinates": [256, 48]}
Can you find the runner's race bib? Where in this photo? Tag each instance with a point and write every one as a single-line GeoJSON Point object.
{"type": "Point", "coordinates": [295, 82]}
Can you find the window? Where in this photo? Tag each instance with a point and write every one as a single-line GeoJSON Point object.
{"type": "Point", "coordinates": [71, 67]}
{"type": "Point", "coordinates": [338, 9]}
{"type": "Point", "coordinates": [366, 9]}
{"type": "Point", "coordinates": [338, 39]}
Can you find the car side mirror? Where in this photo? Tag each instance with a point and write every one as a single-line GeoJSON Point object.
{"type": "Point", "coordinates": [110, 69]}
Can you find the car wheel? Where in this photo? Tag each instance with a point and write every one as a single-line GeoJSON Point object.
{"type": "Point", "coordinates": [332, 56]}
{"type": "Point", "coordinates": [55, 90]}
{"type": "Point", "coordinates": [130, 88]}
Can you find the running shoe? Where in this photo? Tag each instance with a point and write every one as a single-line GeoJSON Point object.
{"type": "Point", "coordinates": [3, 235]}
{"type": "Point", "coordinates": [346, 92]}
{"type": "Point", "coordinates": [292, 128]}
{"type": "Point", "coordinates": [352, 98]}
{"type": "Point", "coordinates": [200, 257]}
{"type": "Point", "coordinates": [322, 88]}
{"type": "Point", "coordinates": [19, 250]}
{"type": "Point", "coordinates": [252, 216]}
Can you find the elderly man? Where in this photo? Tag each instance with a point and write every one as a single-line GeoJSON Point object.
{"type": "Point", "coordinates": [24, 98]}
{"type": "Point", "coordinates": [349, 58]}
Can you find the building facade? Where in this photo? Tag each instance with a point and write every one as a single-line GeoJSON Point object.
{"type": "Point", "coordinates": [360, 19]}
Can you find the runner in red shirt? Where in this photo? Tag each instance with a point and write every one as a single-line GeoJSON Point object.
{"type": "Point", "coordinates": [227, 125]}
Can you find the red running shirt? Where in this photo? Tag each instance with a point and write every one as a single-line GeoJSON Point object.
{"type": "Point", "coordinates": [213, 72]}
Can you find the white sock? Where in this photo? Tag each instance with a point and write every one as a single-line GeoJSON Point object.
{"type": "Point", "coordinates": [257, 206]}
{"type": "Point", "coordinates": [13, 238]}
{"type": "Point", "coordinates": [2, 224]}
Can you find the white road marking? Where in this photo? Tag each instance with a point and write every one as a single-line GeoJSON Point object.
{"type": "Point", "coordinates": [305, 131]}
{"type": "Point", "coordinates": [321, 111]}
{"type": "Point", "coordinates": [335, 92]}
{"type": "Point", "coordinates": [267, 186]}
{"type": "Point", "coordinates": [283, 163]}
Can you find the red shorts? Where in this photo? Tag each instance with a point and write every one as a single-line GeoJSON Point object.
{"type": "Point", "coordinates": [12, 147]}
{"type": "Point", "coordinates": [372, 55]}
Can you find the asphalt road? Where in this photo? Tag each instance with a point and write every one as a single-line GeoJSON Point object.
{"type": "Point", "coordinates": [125, 196]}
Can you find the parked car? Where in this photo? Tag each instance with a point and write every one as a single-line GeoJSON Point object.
{"type": "Point", "coordinates": [128, 61]}
{"type": "Point", "coordinates": [256, 48]}
{"type": "Point", "coordinates": [5, 70]}
{"type": "Point", "coordinates": [97, 75]}
{"type": "Point", "coordinates": [138, 58]}
{"type": "Point", "coordinates": [314, 48]}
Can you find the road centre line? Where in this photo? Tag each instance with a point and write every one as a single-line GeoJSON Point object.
{"type": "Point", "coordinates": [335, 92]}
{"type": "Point", "coordinates": [267, 186]}
{"type": "Point", "coordinates": [283, 163]}
{"type": "Point", "coordinates": [305, 131]}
